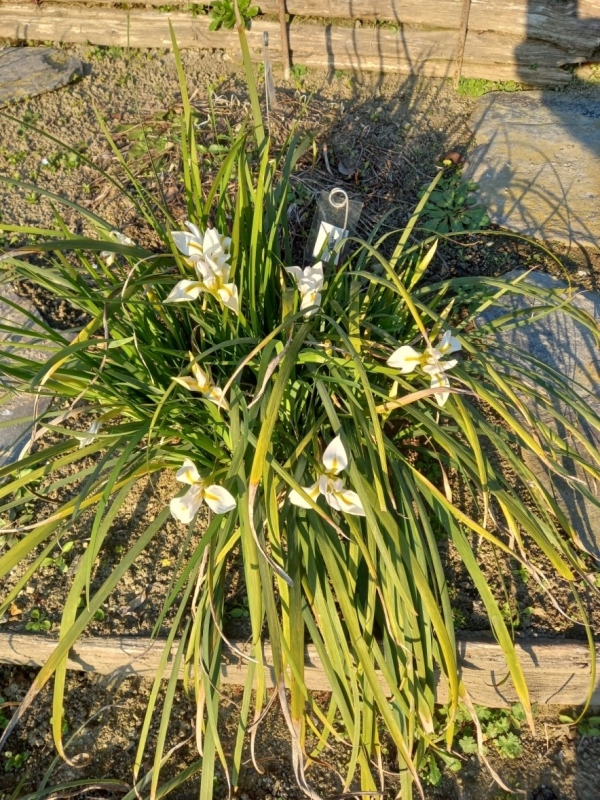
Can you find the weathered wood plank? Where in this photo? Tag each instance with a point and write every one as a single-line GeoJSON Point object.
{"type": "Point", "coordinates": [409, 51]}
{"type": "Point", "coordinates": [574, 26]}
{"type": "Point", "coordinates": [557, 672]}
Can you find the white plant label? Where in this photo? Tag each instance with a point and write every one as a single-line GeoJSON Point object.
{"type": "Point", "coordinates": [327, 238]}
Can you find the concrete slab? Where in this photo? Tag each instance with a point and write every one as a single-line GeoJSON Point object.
{"type": "Point", "coordinates": [537, 163]}
{"type": "Point", "coordinates": [29, 71]}
{"type": "Point", "coordinates": [17, 408]}
{"type": "Point", "coordinates": [567, 346]}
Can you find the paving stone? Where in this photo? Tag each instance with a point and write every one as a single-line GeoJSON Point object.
{"type": "Point", "coordinates": [29, 71]}
{"type": "Point", "coordinates": [537, 163]}
{"type": "Point", "coordinates": [569, 347]}
{"type": "Point", "coordinates": [17, 407]}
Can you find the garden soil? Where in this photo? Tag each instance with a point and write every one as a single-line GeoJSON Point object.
{"type": "Point", "coordinates": [383, 141]}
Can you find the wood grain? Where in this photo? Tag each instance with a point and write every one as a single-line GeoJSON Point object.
{"type": "Point", "coordinates": [408, 51]}
{"type": "Point", "coordinates": [557, 671]}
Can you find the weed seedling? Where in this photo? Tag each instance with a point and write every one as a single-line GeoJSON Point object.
{"type": "Point", "coordinates": [15, 761]}
{"type": "Point", "coordinates": [37, 621]}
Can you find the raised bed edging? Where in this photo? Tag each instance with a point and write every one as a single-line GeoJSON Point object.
{"type": "Point", "coordinates": [557, 671]}
{"type": "Point", "coordinates": [505, 39]}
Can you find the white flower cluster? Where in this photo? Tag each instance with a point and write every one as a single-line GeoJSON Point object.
{"type": "Point", "coordinates": [208, 254]}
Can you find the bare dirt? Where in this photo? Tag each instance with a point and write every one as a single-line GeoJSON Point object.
{"type": "Point", "coordinates": [383, 140]}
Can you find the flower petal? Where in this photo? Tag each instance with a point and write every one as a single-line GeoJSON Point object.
{"type": "Point", "coordinates": [439, 366]}
{"type": "Point", "coordinates": [121, 238]}
{"type": "Point", "coordinates": [311, 302]}
{"type": "Point", "coordinates": [187, 243]}
{"type": "Point", "coordinates": [228, 294]}
{"type": "Point", "coordinates": [92, 431]}
{"type": "Point", "coordinates": [188, 473]}
{"type": "Point", "coordinates": [349, 502]}
{"type": "Point", "coordinates": [215, 242]}
{"type": "Point", "coordinates": [215, 395]}
{"type": "Point", "coordinates": [449, 344]}
{"type": "Point", "coordinates": [185, 508]}
{"type": "Point", "coordinates": [219, 499]}
{"type": "Point", "coordinates": [194, 230]}
{"type": "Point", "coordinates": [437, 380]}
{"type": "Point", "coordinates": [335, 458]}
{"type": "Point", "coordinates": [313, 276]}
{"type": "Point", "coordinates": [185, 291]}
{"type": "Point", "coordinates": [201, 377]}
{"type": "Point", "coordinates": [297, 499]}
{"type": "Point", "coordinates": [405, 358]}
{"type": "Point", "coordinates": [191, 384]}
{"type": "Point", "coordinates": [295, 272]}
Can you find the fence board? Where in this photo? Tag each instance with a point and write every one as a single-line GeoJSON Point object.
{"type": "Point", "coordinates": [574, 26]}
{"type": "Point", "coordinates": [557, 672]}
{"type": "Point", "coordinates": [409, 51]}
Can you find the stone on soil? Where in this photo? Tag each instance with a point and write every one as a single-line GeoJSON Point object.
{"type": "Point", "coordinates": [569, 347]}
{"type": "Point", "coordinates": [29, 71]}
{"type": "Point", "coordinates": [537, 163]}
{"type": "Point", "coordinates": [17, 408]}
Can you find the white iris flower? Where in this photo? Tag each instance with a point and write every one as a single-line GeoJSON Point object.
{"type": "Point", "coordinates": [310, 282]}
{"type": "Point", "coordinates": [200, 381]}
{"type": "Point", "coordinates": [335, 460]}
{"type": "Point", "coordinates": [208, 254]}
{"type": "Point", "coordinates": [186, 507]}
{"type": "Point", "coordinates": [407, 359]}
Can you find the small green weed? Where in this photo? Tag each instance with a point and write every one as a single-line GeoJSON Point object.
{"type": "Point", "coordinates": [451, 207]}
{"type": "Point", "coordinates": [99, 615]}
{"type": "Point", "coordinates": [13, 158]}
{"type": "Point", "coordinates": [223, 13]}
{"type": "Point", "coordinates": [239, 610]}
{"type": "Point", "coordinates": [145, 139]}
{"type": "Point", "coordinates": [460, 621]}
{"type": "Point", "coordinates": [430, 771]}
{"type": "Point", "coordinates": [475, 87]}
{"type": "Point", "coordinates": [590, 726]}
{"type": "Point", "coordinates": [37, 621]}
{"type": "Point", "coordinates": [499, 727]}
{"type": "Point", "coordinates": [15, 761]}
{"type": "Point", "coordinates": [509, 745]}
{"type": "Point", "coordinates": [100, 52]}
{"type": "Point", "coordinates": [298, 73]}
{"type": "Point", "coordinates": [67, 160]}
{"type": "Point", "coordinates": [58, 561]}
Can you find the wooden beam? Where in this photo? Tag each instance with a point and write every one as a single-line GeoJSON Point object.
{"type": "Point", "coordinates": [557, 671]}
{"type": "Point", "coordinates": [574, 26]}
{"type": "Point", "coordinates": [411, 51]}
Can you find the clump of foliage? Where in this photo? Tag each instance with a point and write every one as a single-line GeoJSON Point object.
{"type": "Point", "coordinates": [305, 409]}
{"type": "Point", "coordinates": [451, 206]}
{"type": "Point", "coordinates": [223, 13]}
{"type": "Point", "coordinates": [500, 728]}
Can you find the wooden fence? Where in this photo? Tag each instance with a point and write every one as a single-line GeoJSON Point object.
{"type": "Point", "coordinates": [530, 41]}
